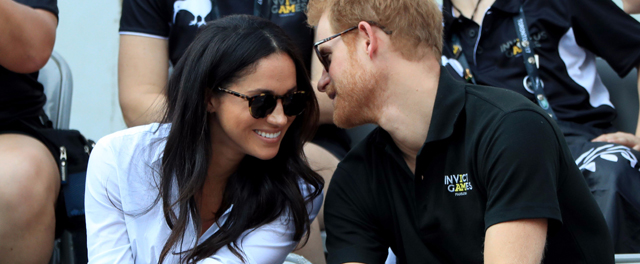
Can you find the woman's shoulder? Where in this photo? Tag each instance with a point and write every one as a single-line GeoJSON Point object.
{"type": "Point", "coordinates": [142, 143]}
{"type": "Point", "coordinates": [131, 137]}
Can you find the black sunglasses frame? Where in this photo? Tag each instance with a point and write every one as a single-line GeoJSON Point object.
{"type": "Point", "coordinates": [316, 45]}
{"type": "Point", "coordinates": [257, 114]}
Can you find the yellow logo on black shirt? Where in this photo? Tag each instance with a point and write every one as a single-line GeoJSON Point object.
{"type": "Point", "coordinates": [458, 184]}
{"type": "Point", "coordinates": [288, 7]}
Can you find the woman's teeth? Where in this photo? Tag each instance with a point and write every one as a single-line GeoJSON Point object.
{"type": "Point", "coordinates": [269, 135]}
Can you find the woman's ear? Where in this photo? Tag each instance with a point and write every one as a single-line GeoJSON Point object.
{"type": "Point", "coordinates": [211, 104]}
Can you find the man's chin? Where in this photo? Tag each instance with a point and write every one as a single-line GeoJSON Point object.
{"type": "Point", "coordinates": [346, 120]}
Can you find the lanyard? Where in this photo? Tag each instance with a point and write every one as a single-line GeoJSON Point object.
{"type": "Point", "coordinates": [259, 8]}
{"type": "Point", "coordinates": [459, 55]}
{"type": "Point", "coordinates": [530, 62]}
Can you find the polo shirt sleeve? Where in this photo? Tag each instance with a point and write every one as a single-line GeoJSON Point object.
{"type": "Point", "coordinates": [353, 234]}
{"type": "Point", "coordinates": [519, 168]}
{"type": "Point", "coordinates": [149, 18]}
{"type": "Point", "coordinates": [597, 22]}
{"type": "Point", "coordinates": [49, 5]}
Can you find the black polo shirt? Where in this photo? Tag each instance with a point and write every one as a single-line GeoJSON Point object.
{"type": "Point", "coordinates": [567, 35]}
{"type": "Point", "coordinates": [178, 20]}
{"type": "Point", "coordinates": [490, 156]}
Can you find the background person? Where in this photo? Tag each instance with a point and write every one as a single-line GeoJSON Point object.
{"type": "Point", "coordinates": [29, 176]}
{"type": "Point", "coordinates": [566, 40]}
{"type": "Point", "coordinates": [441, 180]}
{"type": "Point", "coordinates": [217, 180]}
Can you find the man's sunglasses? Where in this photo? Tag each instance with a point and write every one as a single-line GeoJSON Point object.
{"type": "Point", "coordinates": [262, 105]}
{"type": "Point", "coordinates": [325, 58]}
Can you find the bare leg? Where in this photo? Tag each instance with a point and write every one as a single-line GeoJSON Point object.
{"type": "Point", "coordinates": [324, 163]}
{"type": "Point", "coordinates": [29, 186]}
{"type": "Point", "coordinates": [313, 251]}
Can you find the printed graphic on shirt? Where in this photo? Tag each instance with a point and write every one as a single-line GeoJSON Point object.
{"type": "Point", "coordinates": [513, 48]}
{"type": "Point", "coordinates": [586, 161]}
{"type": "Point", "coordinates": [458, 184]}
{"type": "Point", "coordinates": [198, 8]}
{"type": "Point", "coordinates": [288, 7]}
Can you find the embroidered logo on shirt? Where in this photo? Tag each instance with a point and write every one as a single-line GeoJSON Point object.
{"type": "Point", "coordinates": [198, 8]}
{"type": "Point", "coordinates": [458, 184]}
{"type": "Point", "coordinates": [513, 48]}
{"type": "Point", "coordinates": [288, 7]}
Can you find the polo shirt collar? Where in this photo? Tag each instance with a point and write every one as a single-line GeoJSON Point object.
{"type": "Point", "coordinates": [450, 100]}
{"type": "Point", "coordinates": [509, 6]}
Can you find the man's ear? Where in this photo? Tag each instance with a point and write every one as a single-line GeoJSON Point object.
{"type": "Point", "coordinates": [366, 31]}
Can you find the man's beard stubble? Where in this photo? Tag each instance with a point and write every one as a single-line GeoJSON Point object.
{"type": "Point", "coordinates": [358, 94]}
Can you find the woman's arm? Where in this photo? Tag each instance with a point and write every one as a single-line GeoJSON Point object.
{"type": "Point", "coordinates": [107, 238]}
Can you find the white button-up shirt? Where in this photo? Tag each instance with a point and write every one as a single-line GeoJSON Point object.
{"type": "Point", "coordinates": [120, 188]}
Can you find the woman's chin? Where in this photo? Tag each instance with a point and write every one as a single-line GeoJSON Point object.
{"type": "Point", "coordinates": [265, 155]}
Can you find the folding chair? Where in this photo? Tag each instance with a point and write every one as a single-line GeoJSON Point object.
{"type": "Point", "coordinates": [56, 78]}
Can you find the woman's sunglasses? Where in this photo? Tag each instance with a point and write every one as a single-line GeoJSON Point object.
{"type": "Point", "coordinates": [262, 105]}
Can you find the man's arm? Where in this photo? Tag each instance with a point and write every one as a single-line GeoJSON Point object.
{"type": "Point", "coordinates": [143, 65]}
{"type": "Point", "coordinates": [520, 241]}
{"type": "Point", "coordinates": [28, 36]}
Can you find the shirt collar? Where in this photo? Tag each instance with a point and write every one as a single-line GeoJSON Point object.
{"type": "Point", "coordinates": [509, 6]}
{"type": "Point", "coordinates": [450, 99]}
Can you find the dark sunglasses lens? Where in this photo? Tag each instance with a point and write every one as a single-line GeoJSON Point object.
{"type": "Point", "coordinates": [262, 106]}
{"type": "Point", "coordinates": [294, 104]}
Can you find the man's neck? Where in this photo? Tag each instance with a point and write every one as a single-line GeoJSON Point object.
{"type": "Point", "coordinates": [468, 6]}
{"type": "Point", "coordinates": [406, 112]}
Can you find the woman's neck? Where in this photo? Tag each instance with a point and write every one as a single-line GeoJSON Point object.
{"type": "Point", "coordinates": [209, 200]}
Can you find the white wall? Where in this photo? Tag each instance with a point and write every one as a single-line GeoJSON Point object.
{"type": "Point", "coordinates": [88, 39]}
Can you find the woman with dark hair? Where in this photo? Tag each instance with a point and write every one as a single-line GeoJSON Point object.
{"type": "Point", "coordinates": [216, 181]}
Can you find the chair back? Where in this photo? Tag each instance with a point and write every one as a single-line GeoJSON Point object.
{"type": "Point", "coordinates": [624, 95]}
{"type": "Point", "coordinates": [56, 78]}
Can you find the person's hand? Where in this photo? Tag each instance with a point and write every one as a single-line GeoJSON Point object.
{"type": "Point", "coordinates": [622, 138]}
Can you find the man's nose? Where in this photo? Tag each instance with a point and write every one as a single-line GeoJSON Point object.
{"type": "Point", "coordinates": [325, 79]}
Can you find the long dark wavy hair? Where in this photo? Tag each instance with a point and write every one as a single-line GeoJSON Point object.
{"type": "Point", "coordinates": [260, 190]}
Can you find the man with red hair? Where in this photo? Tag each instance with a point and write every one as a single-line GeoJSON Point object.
{"type": "Point", "coordinates": [455, 173]}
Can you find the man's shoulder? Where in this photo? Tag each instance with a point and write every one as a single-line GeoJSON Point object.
{"type": "Point", "coordinates": [497, 99]}
{"type": "Point", "coordinates": [362, 157]}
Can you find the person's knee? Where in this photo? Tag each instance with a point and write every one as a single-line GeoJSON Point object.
{"type": "Point", "coordinates": [29, 179]}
